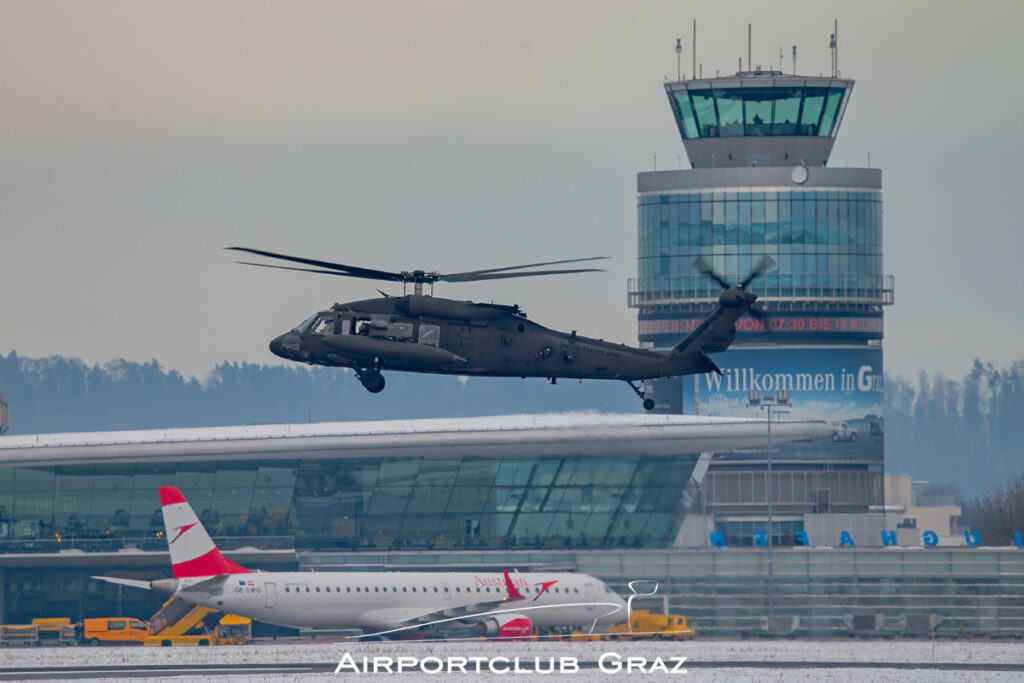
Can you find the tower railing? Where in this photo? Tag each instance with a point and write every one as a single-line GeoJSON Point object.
{"type": "Point", "coordinates": [821, 287]}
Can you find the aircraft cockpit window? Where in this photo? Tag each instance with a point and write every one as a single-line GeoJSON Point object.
{"type": "Point", "coordinates": [430, 335]}
{"type": "Point", "coordinates": [308, 323]}
{"type": "Point", "coordinates": [323, 326]}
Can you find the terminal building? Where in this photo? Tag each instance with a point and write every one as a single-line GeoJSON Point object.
{"type": "Point", "coordinates": [72, 502]}
{"type": "Point", "coordinates": [605, 495]}
{"type": "Point", "coordinates": [760, 187]}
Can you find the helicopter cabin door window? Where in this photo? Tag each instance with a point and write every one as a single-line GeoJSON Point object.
{"type": "Point", "coordinates": [430, 335]}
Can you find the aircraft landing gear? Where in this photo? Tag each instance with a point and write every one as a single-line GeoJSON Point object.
{"type": "Point", "coordinates": [648, 402]}
{"type": "Point", "coordinates": [371, 379]}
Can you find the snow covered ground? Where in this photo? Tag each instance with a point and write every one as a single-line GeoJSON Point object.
{"type": "Point", "coordinates": [702, 655]}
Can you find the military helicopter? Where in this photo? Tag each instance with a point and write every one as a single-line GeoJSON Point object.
{"type": "Point", "coordinates": [422, 333]}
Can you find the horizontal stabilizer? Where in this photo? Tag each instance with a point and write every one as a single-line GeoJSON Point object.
{"type": "Point", "coordinates": [134, 583]}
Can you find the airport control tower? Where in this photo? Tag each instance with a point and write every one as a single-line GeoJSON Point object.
{"type": "Point", "coordinates": [758, 143]}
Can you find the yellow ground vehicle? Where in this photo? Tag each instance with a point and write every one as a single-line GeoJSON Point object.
{"type": "Point", "coordinates": [114, 631]}
{"type": "Point", "coordinates": [183, 623]}
{"type": "Point", "coordinates": [643, 624]}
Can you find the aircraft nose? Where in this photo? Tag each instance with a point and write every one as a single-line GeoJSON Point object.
{"type": "Point", "coordinates": [276, 347]}
{"type": "Point", "coordinates": [286, 346]}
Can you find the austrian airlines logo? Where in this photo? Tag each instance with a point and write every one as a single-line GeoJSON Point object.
{"type": "Point", "coordinates": [544, 586]}
{"type": "Point", "coordinates": [181, 529]}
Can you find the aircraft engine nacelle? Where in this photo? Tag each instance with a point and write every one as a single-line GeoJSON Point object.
{"type": "Point", "coordinates": [429, 307]}
{"type": "Point", "coordinates": [506, 626]}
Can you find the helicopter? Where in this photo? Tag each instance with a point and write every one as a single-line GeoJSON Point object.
{"type": "Point", "coordinates": [421, 333]}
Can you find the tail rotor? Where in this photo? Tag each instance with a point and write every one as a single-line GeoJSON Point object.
{"type": "Point", "coordinates": [735, 294]}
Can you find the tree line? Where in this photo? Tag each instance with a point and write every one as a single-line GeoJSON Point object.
{"type": "Point", "coordinates": [966, 432]}
{"type": "Point", "coordinates": [58, 394]}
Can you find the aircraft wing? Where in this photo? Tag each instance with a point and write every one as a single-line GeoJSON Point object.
{"type": "Point", "coordinates": [397, 620]}
{"type": "Point", "coordinates": [401, 620]}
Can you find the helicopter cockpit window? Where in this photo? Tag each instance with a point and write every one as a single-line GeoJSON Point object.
{"type": "Point", "coordinates": [308, 323]}
{"type": "Point", "coordinates": [430, 335]}
{"type": "Point", "coordinates": [323, 326]}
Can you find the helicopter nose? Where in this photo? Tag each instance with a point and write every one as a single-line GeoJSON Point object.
{"type": "Point", "coordinates": [286, 346]}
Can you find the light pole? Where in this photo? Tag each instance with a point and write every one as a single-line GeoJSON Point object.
{"type": "Point", "coordinates": [767, 402]}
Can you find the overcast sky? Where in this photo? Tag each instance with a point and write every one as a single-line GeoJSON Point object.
{"type": "Point", "coordinates": [139, 138]}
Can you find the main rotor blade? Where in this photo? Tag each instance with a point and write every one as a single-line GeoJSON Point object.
{"type": "Point", "coordinates": [525, 265]}
{"type": "Point", "coordinates": [473, 277]}
{"type": "Point", "coordinates": [763, 266]}
{"type": "Point", "coordinates": [304, 270]}
{"type": "Point", "coordinates": [338, 268]}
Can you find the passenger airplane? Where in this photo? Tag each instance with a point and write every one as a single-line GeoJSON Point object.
{"type": "Point", "coordinates": [380, 603]}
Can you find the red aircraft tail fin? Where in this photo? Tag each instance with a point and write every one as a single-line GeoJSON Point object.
{"type": "Point", "coordinates": [513, 592]}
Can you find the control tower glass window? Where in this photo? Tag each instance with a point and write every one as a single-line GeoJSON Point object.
{"type": "Point", "coordinates": [787, 111]}
{"type": "Point", "coordinates": [704, 105]}
{"type": "Point", "coordinates": [730, 112]}
{"type": "Point", "coordinates": [724, 112]}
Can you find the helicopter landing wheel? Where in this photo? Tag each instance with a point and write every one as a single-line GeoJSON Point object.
{"type": "Point", "coordinates": [648, 402]}
{"type": "Point", "coordinates": [372, 380]}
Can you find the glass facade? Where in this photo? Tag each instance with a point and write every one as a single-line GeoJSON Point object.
{"type": "Point", "coordinates": [358, 504]}
{"type": "Point", "coordinates": [825, 593]}
{"type": "Point", "coordinates": [730, 111]}
{"type": "Point", "coordinates": [826, 244]}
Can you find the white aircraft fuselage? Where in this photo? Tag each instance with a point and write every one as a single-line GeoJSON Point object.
{"type": "Point", "coordinates": [382, 601]}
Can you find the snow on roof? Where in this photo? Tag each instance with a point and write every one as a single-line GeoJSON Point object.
{"type": "Point", "coordinates": [432, 437]}
{"type": "Point", "coordinates": [365, 428]}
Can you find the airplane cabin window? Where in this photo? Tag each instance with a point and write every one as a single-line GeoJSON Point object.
{"type": "Point", "coordinates": [318, 589]}
{"type": "Point", "coordinates": [376, 589]}
{"type": "Point", "coordinates": [405, 589]}
{"type": "Point", "coordinates": [357, 589]}
{"type": "Point", "coordinates": [287, 589]}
